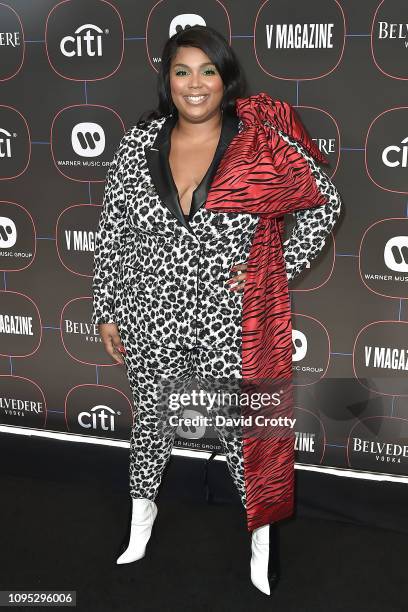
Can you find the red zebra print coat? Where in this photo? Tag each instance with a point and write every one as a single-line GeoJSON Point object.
{"type": "Point", "coordinates": [261, 173]}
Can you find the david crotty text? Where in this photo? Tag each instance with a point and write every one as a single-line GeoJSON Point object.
{"type": "Point", "coordinates": [249, 421]}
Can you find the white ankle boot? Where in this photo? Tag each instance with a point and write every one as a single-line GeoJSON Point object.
{"type": "Point", "coordinates": [260, 559]}
{"type": "Point", "coordinates": [264, 562]}
{"type": "Point", "coordinates": [144, 512]}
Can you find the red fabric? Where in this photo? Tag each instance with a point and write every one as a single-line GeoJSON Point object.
{"type": "Point", "coordinates": [260, 173]}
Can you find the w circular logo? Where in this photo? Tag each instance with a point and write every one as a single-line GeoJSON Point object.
{"type": "Point", "coordinates": [8, 233]}
{"type": "Point", "coordinates": [84, 138]}
{"type": "Point", "coordinates": [17, 237]}
{"type": "Point", "coordinates": [88, 139]}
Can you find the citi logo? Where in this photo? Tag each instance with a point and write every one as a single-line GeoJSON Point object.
{"type": "Point", "coordinates": [182, 22]}
{"type": "Point", "coordinates": [88, 139]}
{"type": "Point", "coordinates": [400, 157]}
{"type": "Point", "coordinates": [87, 40]}
{"type": "Point", "coordinates": [79, 240]}
{"type": "Point", "coordinates": [100, 417]}
{"type": "Point", "coordinates": [5, 143]}
{"type": "Point", "coordinates": [8, 233]}
{"type": "Point", "coordinates": [300, 36]}
{"type": "Point", "coordinates": [299, 345]}
{"type": "Point", "coordinates": [396, 254]}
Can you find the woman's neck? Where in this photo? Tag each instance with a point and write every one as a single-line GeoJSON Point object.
{"type": "Point", "coordinates": [199, 131]}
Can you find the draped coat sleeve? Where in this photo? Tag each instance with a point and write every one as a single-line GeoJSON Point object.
{"type": "Point", "coordinates": [269, 169]}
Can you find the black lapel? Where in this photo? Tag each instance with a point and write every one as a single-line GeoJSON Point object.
{"type": "Point", "coordinates": [157, 158]}
{"type": "Point", "coordinates": [228, 131]}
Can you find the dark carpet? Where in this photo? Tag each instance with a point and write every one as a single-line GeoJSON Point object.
{"type": "Point", "coordinates": [64, 510]}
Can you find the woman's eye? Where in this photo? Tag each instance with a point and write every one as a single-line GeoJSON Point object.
{"type": "Point", "coordinates": [207, 71]}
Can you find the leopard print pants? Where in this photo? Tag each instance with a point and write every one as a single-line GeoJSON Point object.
{"type": "Point", "coordinates": [150, 368]}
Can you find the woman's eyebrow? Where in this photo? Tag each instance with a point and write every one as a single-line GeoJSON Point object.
{"type": "Point", "coordinates": [187, 66]}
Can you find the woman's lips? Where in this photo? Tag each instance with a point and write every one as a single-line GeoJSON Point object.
{"type": "Point", "coordinates": [195, 100]}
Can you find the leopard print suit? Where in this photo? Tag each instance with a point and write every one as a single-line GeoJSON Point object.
{"type": "Point", "coordinates": [161, 279]}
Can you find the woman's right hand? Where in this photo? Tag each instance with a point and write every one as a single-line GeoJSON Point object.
{"type": "Point", "coordinates": [113, 345]}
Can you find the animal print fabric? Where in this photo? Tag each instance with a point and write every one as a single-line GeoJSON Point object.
{"type": "Point", "coordinates": [164, 287]}
{"type": "Point", "coordinates": [149, 369]}
{"type": "Point", "coordinates": [312, 225]}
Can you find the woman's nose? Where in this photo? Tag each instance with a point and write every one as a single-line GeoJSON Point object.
{"type": "Point", "coordinates": [195, 80]}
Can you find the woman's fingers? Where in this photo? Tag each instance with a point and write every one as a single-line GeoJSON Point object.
{"type": "Point", "coordinates": [111, 341]}
{"type": "Point", "coordinates": [242, 266]}
{"type": "Point", "coordinates": [237, 282]}
{"type": "Point", "coordinates": [237, 277]}
{"type": "Point", "coordinates": [118, 349]}
{"type": "Point", "coordinates": [111, 349]}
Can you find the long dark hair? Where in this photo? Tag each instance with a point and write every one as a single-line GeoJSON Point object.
{"type": "Point", "coordinates": [216, 47]}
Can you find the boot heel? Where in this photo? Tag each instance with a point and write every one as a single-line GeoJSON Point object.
{"type": "Point", "coordinates": [153, 535]}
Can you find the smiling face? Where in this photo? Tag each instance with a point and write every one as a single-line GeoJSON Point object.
{"type": "Point", "coordinates": [196, 85]}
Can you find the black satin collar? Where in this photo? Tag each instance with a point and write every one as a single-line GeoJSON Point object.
{"type": "Point", "coordinates": [157, 158]}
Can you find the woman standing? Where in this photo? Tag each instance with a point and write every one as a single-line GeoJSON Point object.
{"type": "Point", "coordinates": [170, 272]}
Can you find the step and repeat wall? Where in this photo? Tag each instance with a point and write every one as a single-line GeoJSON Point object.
{"type": "Point", "coordinates": [74, 76]}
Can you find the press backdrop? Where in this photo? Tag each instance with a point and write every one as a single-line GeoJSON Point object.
{"type": "Point", "coordinates": [74, 76]}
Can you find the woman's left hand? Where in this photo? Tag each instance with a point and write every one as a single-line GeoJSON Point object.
{"type": "Point", "coordinates": [238, 276]}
